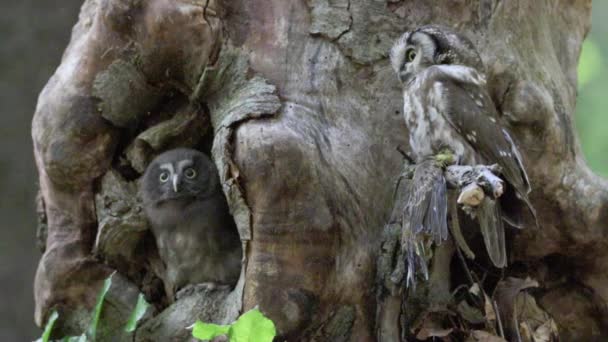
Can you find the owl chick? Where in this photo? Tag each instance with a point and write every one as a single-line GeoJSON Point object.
{"type": "Point", "coordinates": [186, 208]}
{"type": "Point", "coordinates": [446, 104]}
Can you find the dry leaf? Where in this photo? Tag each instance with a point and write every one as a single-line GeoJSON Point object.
{"type": "Point", "coordinates": [489, 308]}
{"type": "Point", "coordinates": [469, 313]}
{"type": "Point", "coordinates": [546, 332]}
{"type": "Point", "coordinates": [431, 327]}
{"type": "Point", "coordinates": [525, 332]}
{"type": "Point", "coordinates": [508, 294]}
{"type": "Point", "coordinates": [424, 334]}
{"type": "Point", "coordinates": [484, 336]}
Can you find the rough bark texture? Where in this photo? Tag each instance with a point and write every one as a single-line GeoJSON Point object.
{"type": "Point", "coordinates": [298, 105]}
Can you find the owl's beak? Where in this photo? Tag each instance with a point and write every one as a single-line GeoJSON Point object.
{"type": "Point", "coordinates": [405, 76]}
{"type": "Point", "coordinates": [175, 182]}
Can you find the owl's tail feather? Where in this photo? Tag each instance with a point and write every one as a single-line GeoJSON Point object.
{"type": "Point", "coordinates": [515, 203]}
{"type": "Point", "coordinates": [490, 221]}
{"type": "Point", "coordinates": [517, 210]}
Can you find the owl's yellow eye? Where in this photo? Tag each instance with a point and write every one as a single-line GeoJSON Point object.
{"type": "Point", "coordinates": [410, 55]}
{"type": "Point", "coordinates": [164, 176]}
{"type": "Point", "coordinates": [190, 173]}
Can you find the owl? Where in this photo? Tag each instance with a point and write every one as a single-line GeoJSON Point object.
{"type": "Point", "coordinates": [447, 105]}
{"type": "Point", "coordinates": [195, 234]}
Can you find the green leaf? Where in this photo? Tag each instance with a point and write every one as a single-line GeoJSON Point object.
{"type": "Point", "coordinates": [137, 314]}
{"type": "Point", "coordinates": [208, 331]}
{"type": "Point", "coordinates": [252, 326]}
{"type": "Point", "coordinates": [81, 338]}
{"type": "Point", "coordinates": [48, 328]}
{"type": "Point", "coordinates": [92, 331]}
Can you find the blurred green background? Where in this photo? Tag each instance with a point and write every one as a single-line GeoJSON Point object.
{"type": "Point", "coordinates": [592, 102]}
{"type": "Point", "coordinates": [34, 34]}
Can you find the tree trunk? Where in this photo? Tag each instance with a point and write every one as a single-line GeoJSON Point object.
{"type": "Point", "coordinates": [302, 113]}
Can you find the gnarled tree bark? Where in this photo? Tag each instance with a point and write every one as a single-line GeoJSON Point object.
{"type": "Point", "coordinates": [298, 104]}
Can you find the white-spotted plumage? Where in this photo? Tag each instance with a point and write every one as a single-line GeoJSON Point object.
{"type": "Point", "coordinates": [447, 105]}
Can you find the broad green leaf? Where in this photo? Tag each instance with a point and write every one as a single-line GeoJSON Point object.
{"type": "Point", "coordinates": [48, 328]}
{"type": "Point", "coordinates": [92, 331]}
{"type": "Point", "coordinates": [208, 331]}
{"type": "Point", "coordinates": [137, 314]}
{"type": "Point", "coordinates": [252, 326]}
{"type": "Point", "coordinates": [46, 335]}
{"type": "Point", "coordinates": [81, 338]}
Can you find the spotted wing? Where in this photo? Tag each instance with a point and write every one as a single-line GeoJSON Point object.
{"type": "Point", "coordinates": [465, 104]}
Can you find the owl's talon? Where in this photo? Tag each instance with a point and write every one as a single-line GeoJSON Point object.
{"type": "Point", "coordinates": [495, 168]}
{"type": "Point", "coordinates": [469, 177]}
{"type": "Point", "coordinates": [487, 178]}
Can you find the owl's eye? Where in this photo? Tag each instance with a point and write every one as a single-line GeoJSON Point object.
{"type": "Point", "coordinates": [410, 55]}
{"type": "Point", "coordinates": [190, 173]}
{"type": "Point", "coordinates": [164, 176]}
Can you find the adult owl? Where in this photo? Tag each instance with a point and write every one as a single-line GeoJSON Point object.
{"type": "Point", "coordinates": [189, 217]}
{"type": "Point", "coordinates": [447, 105]}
